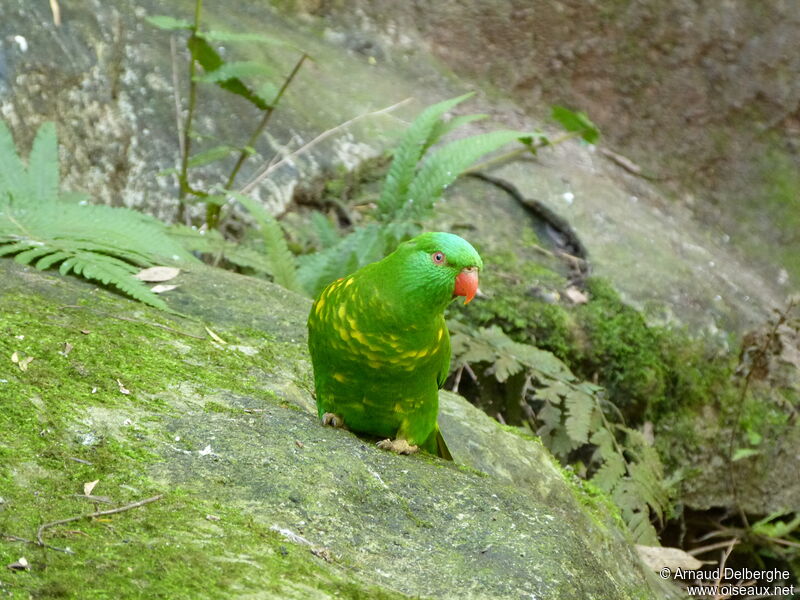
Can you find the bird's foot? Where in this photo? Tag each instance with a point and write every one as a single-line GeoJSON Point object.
{"type": "Point", "coordinates": [399, 446]}
{"type": "Point", "coordinates": [333, 420]}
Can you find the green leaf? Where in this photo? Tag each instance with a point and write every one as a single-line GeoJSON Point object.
{"type": "Point", "coordinates": [770, 526]}
{"type": "Point", "coordinates": [43, 164]}
{"type": "Point", "coordinates": [231, 36]}
{"type": "Point", "coordinates": [364, 245]}
{"type": "Point", "coordinates": [579, 412]}
{"type": "Point", "coordinates": [13, 178]}
{"type": "Point", "coordinates": [169, 23]}
{"type": "Point", "coordinates": [576, 121]}
{"type": "Point", "coordinates": [505, 366]}
{"type": "Point", "coordinates": [210, 60]}
{"type": "Point", "coordinates": [211, 155]}
{"type": "Point", "coordinates": [642, 530]}
{"type": "Point", "coordinates": [281, 260]}
{"type": "Point", "coordinates": [445, 165]}
{"type": "Point", "coordinates": [237, 69]}
{"type": "Point", "coordinates": [407, 155]}
{"type": "Point", "coordinates": [442, 127]}
{"type": "Point", "coordinates": [325, 231]}
{"type": "Point", "coordinates": [100, 243]}
{"type": "Point", "coordinates": [610, 472]}
{"type": "Point", "coordinates": [744, 453]}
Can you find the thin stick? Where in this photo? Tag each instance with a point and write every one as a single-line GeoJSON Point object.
{"type": "Point", "coordinates": [56, 10]}
{"type": "Point", "coordinates": [457, 379]}
{"type": "Point", "coordinates": [490, 162]}
{"type": "Point", "coordinates": [265, 172]}
{"type": "Point", "coordinates": [99, 513]}
{"type": "Point", "coordinates": [722, 563]}
{"type": "Point", "coordinates": [264, 121]}
{"type": "Point", "coordinates": [183, 178]}
{"type": "Point", "coordinates": [130, 320]}
{"type": "Point", "coordinates": [16, 538]}
{"type": "Point", "coordinates": [176, 95]}
{"type": "Point", "coordinates": [708, 548]}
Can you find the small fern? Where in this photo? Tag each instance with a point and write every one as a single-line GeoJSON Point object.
{"type": "Point", "coordinates": [421, 134]}
{"type": "Point", "coordinates": [281, 260]}
{"type": "Point", "coordinates": [569, 418]}
{"type": "Point", "coordinates": [40, 227]}
{"type": "Point", "coordinates": [212, 243]}
{"type": "Point", "coordinates": [409, 193]}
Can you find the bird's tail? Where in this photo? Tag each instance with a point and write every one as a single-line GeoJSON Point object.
{"type": "Point", "coordinates": [435, 444]}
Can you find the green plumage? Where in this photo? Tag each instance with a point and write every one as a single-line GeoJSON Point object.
{"type": "Point", "coordinates": [379, 344]}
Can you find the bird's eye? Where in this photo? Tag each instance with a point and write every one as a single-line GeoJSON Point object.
{"type": "Point", "coordinates": [438, 258]}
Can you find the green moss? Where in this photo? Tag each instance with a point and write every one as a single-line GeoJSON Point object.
{"type": "Point", "coordinates": [60, 427]}
{"type": "Point", "coordinates": [621, 349]}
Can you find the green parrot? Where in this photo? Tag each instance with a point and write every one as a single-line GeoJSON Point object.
{"type": "Point", "coordinates": [379, 344]}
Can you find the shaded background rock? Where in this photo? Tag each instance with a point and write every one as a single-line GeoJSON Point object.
{"type": "Point", "coordinates": [704, 97]}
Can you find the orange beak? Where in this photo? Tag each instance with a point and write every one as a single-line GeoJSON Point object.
{"type": "Point", "coordinates": [466, 283]}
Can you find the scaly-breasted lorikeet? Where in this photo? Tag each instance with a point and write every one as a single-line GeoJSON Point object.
{"type": "Point", "coordinates": [379, 344]}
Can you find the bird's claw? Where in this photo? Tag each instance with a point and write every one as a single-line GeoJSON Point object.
{"type": "Point", "coordinates": [399, 446]}
{"type": "Point", "coordinates": [333, 420]}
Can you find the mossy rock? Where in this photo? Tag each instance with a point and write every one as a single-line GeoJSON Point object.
{"type": "Point", "coordinates": [258, 499]}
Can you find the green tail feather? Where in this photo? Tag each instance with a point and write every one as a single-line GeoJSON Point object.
{"type": "Point", "coordinates": [435, 444]}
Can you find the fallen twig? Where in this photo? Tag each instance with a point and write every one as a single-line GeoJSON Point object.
{"type": "Point", "coordinates": [16, 538]}
{"type": "Point", "coordinates": [130, 320]}
{"type": "Point", "coordinates": [100, 513]}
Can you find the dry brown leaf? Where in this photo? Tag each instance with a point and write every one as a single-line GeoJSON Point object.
{"type": "Point", "coordinates": [659, 557]}
{"type": "Point", "coordinates": [161, 288]}
{"type": "Point", "coordinates": [23, 364]}
{"type": "Point", "coordinates": [299, 444]}
{"type": "Point", "coordinates": [15, 358]}
{"type": "Point", "coordinates": [157, 274]}
{"type": "Point", "coordinates": [89, 486]}
{"type": "Point", "coordinates": [67, 349]}
{"type": "Point", "coordinates": [122, 388]}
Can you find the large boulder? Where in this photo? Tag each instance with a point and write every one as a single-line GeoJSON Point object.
{"type": "Point", "coordinates": [264, 499]}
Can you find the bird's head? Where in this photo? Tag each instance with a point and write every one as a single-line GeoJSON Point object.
{"type": "Point", "coordinates": [442, 265]}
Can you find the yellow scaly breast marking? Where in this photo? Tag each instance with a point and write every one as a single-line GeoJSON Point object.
{"type": "Point", "coordinates": [343, 333]}
{"type": "Point", "coordinates": [348, 282]}
{"type": "Point", "coordinates": [339, 377]}
{"type": "Point", "coordinates": [320, 304]}
{"type": "Point", "coordinates": [440, 334]}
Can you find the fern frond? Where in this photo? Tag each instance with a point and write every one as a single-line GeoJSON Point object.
{"type": "Point", "coordinates": [610, 472]}
{"type": "Point", "coordinates": [281, 260]}
{"type": "Point", "coordinates": [114, 273]}
{"type": "Point", "coordinates": [42, 172]}
{"type": "Point", "coordinates": [212, 242]}
{"type": "Point", "coordinates": [442, 127]}
{"type": "Point", "coordinates": [407, 155]}
{"type": "Point", "coordinates": [14, 247]}
{"type": "Point", "coordinates": [13, 178]}
{"type": "Point", "coordinates": [445, 165]}
{"type": "Point", "coordinates": [641, 529]}
{"type": "Point", "coordinates": [325, 231]}
{"type": "Point", "coordinates": [364, 245]}
{"type": "Point", "coordinates": [99, 243]}
{"type": "Point", "coordinates": [579, 414]}
{"type": "Point", "coordinates": [26, 257]}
